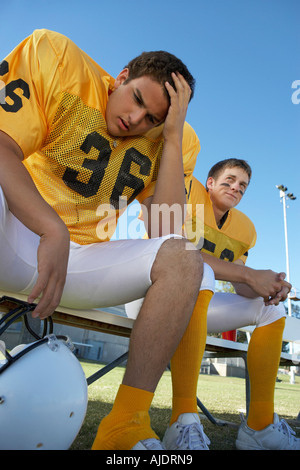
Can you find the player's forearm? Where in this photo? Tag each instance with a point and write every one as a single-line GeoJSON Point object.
{"type": "Point", "coordinates": [225, 271]}
{"type": "Point", "coordinates": [244, 290]}
{"type": "Point", "coordinates": [250, 282]}
{"type": "Point", "coordinates": [170, 189]}
{"type": "Point", "coordinates": [22, 197]}
{"type": "Point", "coordinates": [238, 274]}
{"type": "Point", "coordinates": [167, 211]}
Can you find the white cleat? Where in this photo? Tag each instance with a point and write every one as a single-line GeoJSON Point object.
{"type": "Point", "coordinates": [277, 436]}
{"type": "Point", "coordinates": [149, 444]}
{"type": "Point", "coordinates": [186, 434]}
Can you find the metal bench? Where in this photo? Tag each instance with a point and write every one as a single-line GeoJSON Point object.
{"type": "Point", "coordinates": [110, 323]}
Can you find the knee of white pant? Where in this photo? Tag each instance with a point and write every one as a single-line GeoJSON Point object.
{"type": "Point", "coordinates": [132, 309]}
{"type": "Point", "coordinates": [208, 279]}
{"type": "Point", "coordinates": [270, 314]}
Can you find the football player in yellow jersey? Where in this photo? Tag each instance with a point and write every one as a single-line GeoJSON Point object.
{"type": "Point", "coordinates": [74, 140]}
{"type": "Point", "coordinates": [226, 235]}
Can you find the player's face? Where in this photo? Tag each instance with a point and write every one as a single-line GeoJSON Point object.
{"type": "Point", "coordinates": [228, 189]}
{"type": "Point", "coordinates": [136, 106]}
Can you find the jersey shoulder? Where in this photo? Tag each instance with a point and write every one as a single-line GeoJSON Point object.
{"type": "Point", "coordinates": [242, 226]}
{"type": "Point", "coordinates": [190, 137]}
{"type": "Point", "coordinates": [240, 217]}
{"type": "Point", "coordinates": [198, 193]}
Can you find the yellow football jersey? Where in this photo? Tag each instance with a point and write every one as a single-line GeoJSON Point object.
{"type": "Point", "coordinates": [230, 242]}
{"type": "Point", "coordinates": [54, 108]}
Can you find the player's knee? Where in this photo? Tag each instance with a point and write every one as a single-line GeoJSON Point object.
{"type": "Point", "coordinates": [179, 259]}
{"type": "Point", "coordinates": [270, 313]}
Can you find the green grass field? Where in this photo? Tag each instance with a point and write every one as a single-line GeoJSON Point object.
{"type": "Point", "coordinates": [224, 397]}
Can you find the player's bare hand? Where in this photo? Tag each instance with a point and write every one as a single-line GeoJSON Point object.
{"type": "Point", "coordinates": [53, 255]}
{"type": "Point", "coordinates": [179, 101]}
{"type": "Point", "coordinates": [282, 293]}
{"type": "Point", "coordinates": [269, 285]}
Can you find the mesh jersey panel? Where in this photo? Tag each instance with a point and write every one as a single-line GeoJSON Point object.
{"type": "Point", "coordinates": [95, 169]}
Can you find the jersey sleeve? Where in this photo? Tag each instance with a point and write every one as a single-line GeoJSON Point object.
{"type": "Point", "coordinates": [30, 91]}
{"type": "Point", "coordinates": [190, 150]}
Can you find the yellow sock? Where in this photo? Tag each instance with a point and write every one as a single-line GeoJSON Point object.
{"type": "Point", "coordinates": [127, 423]}
{"type": "Point", "coordinates": [186, 362]}
{"type": "Point", "coordinates": [263, 362]}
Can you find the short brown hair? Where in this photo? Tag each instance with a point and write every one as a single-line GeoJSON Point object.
{"type": "Point", "coordinates": [219, 167]}
{"type": "Point", "coordinates": [159, 65]}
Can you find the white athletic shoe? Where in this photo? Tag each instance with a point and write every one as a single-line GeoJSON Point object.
{"type": "Point", "coordinates": [186, 434]}
{"type": "Point", "coordinates": [276, 436]}
{"type": "Point", "coordinates": [149, 444]}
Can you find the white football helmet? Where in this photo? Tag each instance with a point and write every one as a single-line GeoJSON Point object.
{"type": "Point", "coordinates": [43, 395]}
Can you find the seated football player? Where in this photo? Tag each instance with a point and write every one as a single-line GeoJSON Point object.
{"type": "Point", "coordinates": [77, 146]}
{"type": "Point", "coordinates": [224, 239]}
{"type": "Point", "coordinates": [224, 235]}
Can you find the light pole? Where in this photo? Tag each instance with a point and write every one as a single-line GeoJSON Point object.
{"type": "Point", "coordinates": [284, 196]}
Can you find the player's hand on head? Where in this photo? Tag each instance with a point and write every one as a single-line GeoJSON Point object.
{"type": "Point", "coordinates": [179, 101]}
{"type": "Point", "coordinates": [53, 255]}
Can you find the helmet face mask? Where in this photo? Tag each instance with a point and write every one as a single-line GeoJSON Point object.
{"type": "Point", "coordinates": [43, 395]}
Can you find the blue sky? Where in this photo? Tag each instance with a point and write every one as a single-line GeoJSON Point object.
{"type": "Point", "coordinates": [245, 57]}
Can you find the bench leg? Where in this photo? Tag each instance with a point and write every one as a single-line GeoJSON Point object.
{"type": "Point", "coordinates": [208, 414]}
{"type": "Point", "coordinates": [104, 370]}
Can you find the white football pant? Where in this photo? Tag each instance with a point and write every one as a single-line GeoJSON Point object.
{"type": "Point", "coordinates": [99, 275]}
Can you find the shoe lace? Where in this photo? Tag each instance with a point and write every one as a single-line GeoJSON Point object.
{"type": "Point", "coordinates": [194, 436]}
{"type": "Point", "coordinates": [153, 444]}
{"type": "Point", "coordinates": [286, 429]}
